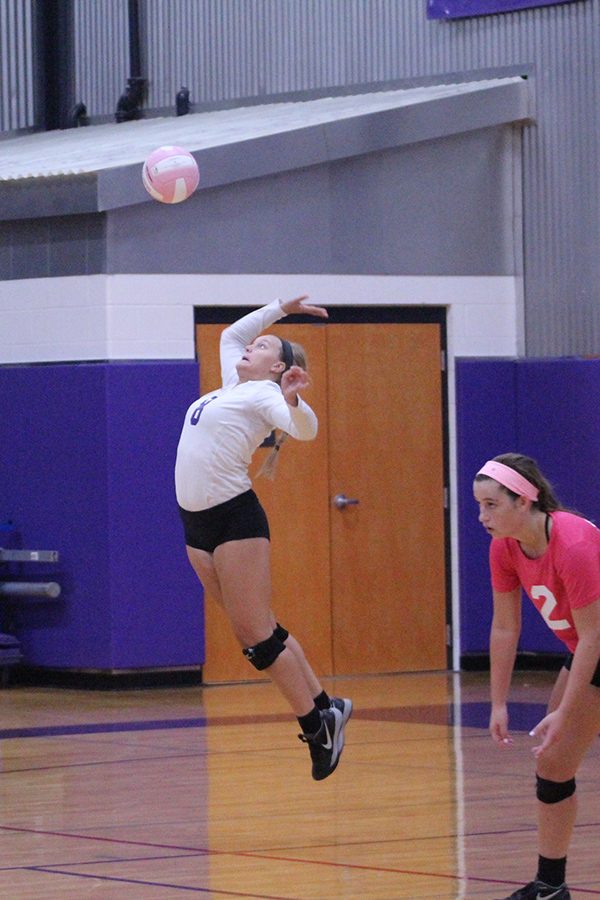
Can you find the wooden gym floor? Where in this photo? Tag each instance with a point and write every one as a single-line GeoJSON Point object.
{"type": "Point", "coordinates": [149, 795]}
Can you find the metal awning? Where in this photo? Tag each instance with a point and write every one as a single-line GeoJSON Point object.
{"type": "Point", "coordinates": [98, 168]}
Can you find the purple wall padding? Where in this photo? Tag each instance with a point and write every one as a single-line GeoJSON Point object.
{"type": "Point", "coordinates": [486, 426]}
{"type": "Point", "coordinates": [87, 469]}
{"type": "Point", "coordinates": [548, 410]}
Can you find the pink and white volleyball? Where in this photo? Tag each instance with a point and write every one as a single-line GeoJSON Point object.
{"type": "Point", "coordinates": [170, 174]}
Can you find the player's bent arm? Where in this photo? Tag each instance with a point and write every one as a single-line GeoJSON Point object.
{"type": "Point", "coordinates": [304, 422]}
{"type": "Point", "coordinates": [298, 421]}
{"type": "Point", "coordinates": [504, 638]}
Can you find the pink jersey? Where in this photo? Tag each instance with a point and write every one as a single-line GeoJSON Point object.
{"type": "Point", "coordinates": [565, 577]}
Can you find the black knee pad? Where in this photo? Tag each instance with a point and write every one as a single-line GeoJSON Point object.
{"type": "Point", "coordinates": [265, 653]}
{"type": "Point", "coordinates": [281, 632]}
{"type": "Point", "coordinates": [554, 791]}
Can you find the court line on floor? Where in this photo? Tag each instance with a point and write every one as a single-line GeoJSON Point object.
{"type": "Point", "coordinates": [266, 856]}
{"type": "Point", "coordinates": [103, 762]}
{"type": "Point", "coordinates": [214, 892]}
{"type": "Point", "coordinates": [195, 754]}
{"type": "Point", "coordinates": [104, 862]}
{"type": "Point", "coordinates": [474, 715]}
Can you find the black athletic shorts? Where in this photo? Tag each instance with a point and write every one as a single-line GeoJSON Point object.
{"type": "Point", "coordinates": [595, 677]}
{"type": "Point", "coordinates": [236, 519]}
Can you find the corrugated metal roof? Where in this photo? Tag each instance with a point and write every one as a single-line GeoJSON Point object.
{"type": "Point", "coordinates": [101, 147]}
{"type": "Point", "coordinates": [38, 171]}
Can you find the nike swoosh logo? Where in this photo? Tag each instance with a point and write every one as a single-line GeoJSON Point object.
{"type": "Point", "coordinates": [329, 743]}
{"type": "Point", "coordinates": [548, 896]}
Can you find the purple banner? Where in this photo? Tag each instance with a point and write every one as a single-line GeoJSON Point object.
{"type": "Point", "coordinates": [459, 9]}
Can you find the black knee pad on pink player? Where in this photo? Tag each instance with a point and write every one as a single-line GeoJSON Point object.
{"type": "Point", "coordinates": [554, 791]}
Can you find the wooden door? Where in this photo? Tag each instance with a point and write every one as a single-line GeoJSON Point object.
{"type": "Point", "coordinates": [363, 588]}
{"type": "Point", "coordinates": [386, 451]}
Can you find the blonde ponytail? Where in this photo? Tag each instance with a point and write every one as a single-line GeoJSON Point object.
{"type": "Point", "coordinates": [292, 354]}
{"type": "Point", "coordinates": [269, 466]}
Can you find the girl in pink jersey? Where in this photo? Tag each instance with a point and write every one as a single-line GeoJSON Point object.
{"type": "Point", "coordinates": [554, 555]}
{"type": "Point", "coordinates": [226, 530]}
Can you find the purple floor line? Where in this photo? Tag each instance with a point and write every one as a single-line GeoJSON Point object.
{"type": "Point", "coordinates": [473, 715]}
{"type": "Point", "coordinates": [158, 884]}
{"type": "Point", "coordinates": [252, 855]}
{"type": "Point", "coordinates": [101, 728]}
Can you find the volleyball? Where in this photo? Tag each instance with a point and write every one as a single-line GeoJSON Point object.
{"type": "Point", "coordinates": [170, 174]}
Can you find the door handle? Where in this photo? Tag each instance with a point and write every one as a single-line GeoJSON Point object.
{"type": "Point", "coordinates": [341, 501]}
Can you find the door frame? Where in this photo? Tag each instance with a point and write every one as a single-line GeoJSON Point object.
{"type": "Point", "coordinates": [384, 314]}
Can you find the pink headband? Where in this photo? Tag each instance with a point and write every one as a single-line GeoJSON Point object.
{"type": "Point", "coordinates": [510, 479]}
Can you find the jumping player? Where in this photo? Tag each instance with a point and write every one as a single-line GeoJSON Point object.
{"type": "Point", "coordinates": [226, 528]}
{"type": "Point", "coordinates": [554, 555]}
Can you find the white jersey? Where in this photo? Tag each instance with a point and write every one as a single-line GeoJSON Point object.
{"type": "Point", "coordinates": [225, 426]}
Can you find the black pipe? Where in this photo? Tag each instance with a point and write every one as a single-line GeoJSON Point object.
{"type": "Point", "coordinates": [135, 51]}
{"type": "Point", "coordinates": [54, 63]}
{"type": "Point", "coordinates": [130, 102]}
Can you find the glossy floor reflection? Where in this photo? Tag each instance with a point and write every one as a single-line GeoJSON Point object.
{"type": "Point", "coordinates": [207, 791]}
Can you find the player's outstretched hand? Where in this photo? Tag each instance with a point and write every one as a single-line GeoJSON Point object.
{"type": "Point", "coordinates": [299, 306]}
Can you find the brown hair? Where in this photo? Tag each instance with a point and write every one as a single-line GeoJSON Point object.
{"type": "Point", "coordinates": [547, 500]}
{"type": "Point", "coordinates": [298, 356]}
